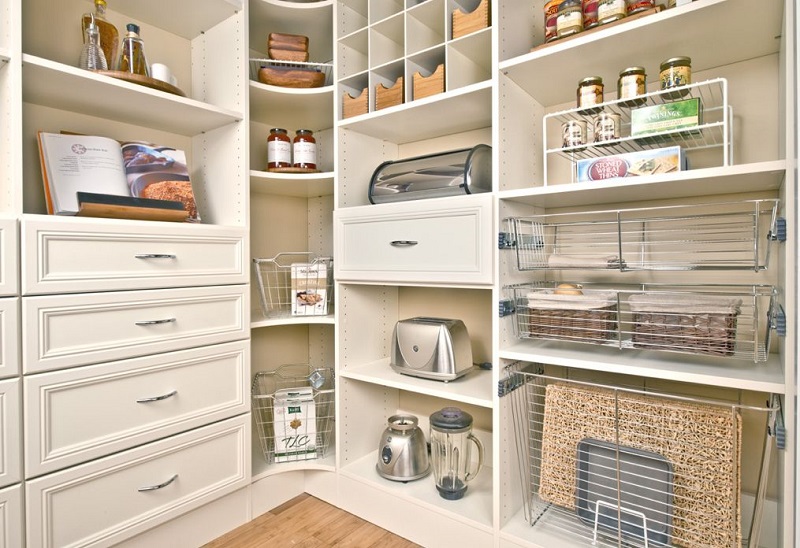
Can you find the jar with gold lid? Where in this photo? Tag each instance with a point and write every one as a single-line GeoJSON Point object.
{"type": "Point", "coordinates": [570, 18]}
{"type": "Point", "coordinates": [632, 84]}
{"type": "Point", "coordinates": [676, 72]}
{"type": "Point", "coordinates": [590, 94]}
{"type": "Point", "coordinates": [609, 11]}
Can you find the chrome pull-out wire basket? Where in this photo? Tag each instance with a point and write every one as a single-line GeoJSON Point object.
{"type": "Point", "coordinates": [604, 465]}
{"type": "Point", "coordinates": [278, 278]}
{"type": "Point", "coordinates": [727, 321]}
{"type": "Point", "coordinates": [719, 236]}
{"type": "Point", "coordinates": [288, 440]}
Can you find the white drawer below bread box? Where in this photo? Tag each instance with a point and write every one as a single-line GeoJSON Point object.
{"type": "Point", "coordinates": [10, 432]}
{"type": "Point", "coordinates": [9, 336]}
{"type": "Point", "coordinates": [9, 261]}
{"type": "Point", "coordinates": [11, 525]}
{"type": "Point", "coordinates": [444, 240]}
{"type": "Point", "coordinates": [80, 329]}
{"type": "Point", "coordinates": [74, 255]}
{"type": "Point", "coordinates": [79, 414]}
{"type": "Point", "coordinates": [108, 500]}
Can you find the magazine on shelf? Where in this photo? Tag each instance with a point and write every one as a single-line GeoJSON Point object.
{"type": "Point", "coordinates": [95, 165]}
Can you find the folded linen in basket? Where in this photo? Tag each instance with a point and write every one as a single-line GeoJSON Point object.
{"type": "Point", "coordinates": [557, 260]}
{"type": "Point", "coordinates": [590, 300]}
{"type": "Point", "coordinates": [684, 304]}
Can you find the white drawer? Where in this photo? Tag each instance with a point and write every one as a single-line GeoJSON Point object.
{"type": "Point", "coordinates": [73, 255]}
{"type": "Point", "coordinates": [102, 502]}
{"type": "Point", "coordinates": [10, 432]}
{"type": "Point", "coordinates": [80, 329]}
{"type": "Point", "coordinates": [9, 257]}
{"type": "Point", "coordinates": [11, 517]}
{"type": "Point", "coordinates": [79, 414]}
{"type": "Point", "coordinates": [9, 337]}
{"type": "Point", "coordinates": [449, 240]}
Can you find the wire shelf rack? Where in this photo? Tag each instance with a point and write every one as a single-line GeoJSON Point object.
{"type": "Point", "coordinates": [610, 466]}
{"type": "Point", "coordinates": [724, 321]}
{"type": "Point", "coordinates": [293, 411]}
{"type": "Point", "coordinates": [294, 284]}
{"type": "Point", "coordinates": [257, 64]}
{"type": "Point", "coordinates": [720, 236]}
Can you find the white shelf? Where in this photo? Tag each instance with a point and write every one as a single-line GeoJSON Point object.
{"type": "Point", "coordinates": [730, 25]}
{"type": "Point", "coordinates": [474, 388]}
{"type": "Point", "coordinates": [312, 19]}
{"type": "Point", "coordinates": [257, 320]}
{"type": "Point", "coordinates": [262, 470]}
{"type": "Point", "coordinates": [455, 111]}
{"type": "Point", "coordinates": [475, 509]}
{"type": "Point", "coordinates": [60, 86]}
{"type": "Point", "coordinates": [301, 185]}
{"type": "Point", "coordinates": [181, 17]}
{"type": "Point", "coordinates": [728, 373]}
{"type": "Point", "coordinates": [5, 55]}
{"type": "Point", "coordinates": [762, 176]}
{"type": "Point", "coordinates": [277, 106]}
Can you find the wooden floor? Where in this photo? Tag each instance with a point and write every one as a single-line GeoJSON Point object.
{"type": "Point", "coordinates": [308, 522]}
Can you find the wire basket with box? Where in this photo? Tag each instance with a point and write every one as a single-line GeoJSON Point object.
{"type": "Point", "coordinates": [293, 411]}
{"type": "Point", "coordinates": [295, 284]}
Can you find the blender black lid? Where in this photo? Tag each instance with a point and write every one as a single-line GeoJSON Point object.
{"type": "Point", "coordinates": [451, 418]}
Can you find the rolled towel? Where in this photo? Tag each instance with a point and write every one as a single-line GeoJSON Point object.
{"type": "Point", "coordinates": [679, 303]}
{"type": "Point", "coordinates": [590, 300]}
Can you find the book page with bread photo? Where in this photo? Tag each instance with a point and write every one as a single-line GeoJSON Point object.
{"type": "Point", "coordinates": [82, 170]}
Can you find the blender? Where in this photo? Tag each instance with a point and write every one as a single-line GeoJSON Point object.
{"type": "Point", "coordinates": [451, 452]}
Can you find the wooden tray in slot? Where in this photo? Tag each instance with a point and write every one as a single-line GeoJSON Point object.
{"type": "Point", "coordinates": [391, 96]}
{"type": "Point", "coordinates": [467, 23]}
{"type": "Point", "coordinates": [353, 106]}
{"type": "Point", "coordinates": [425, 86]}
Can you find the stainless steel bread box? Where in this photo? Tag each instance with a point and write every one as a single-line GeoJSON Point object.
{"type": "Point", "coordinates": [431, 348]}
{"type": "Point", "coordinates": [452, 173]}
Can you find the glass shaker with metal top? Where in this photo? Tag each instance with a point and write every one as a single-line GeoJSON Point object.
{"type": "Point", "coordinates": [451, 452]}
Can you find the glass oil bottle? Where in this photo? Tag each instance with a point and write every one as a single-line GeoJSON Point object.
{"type": "Point", "coordinates": [109, 36]}
{"type": "Point", "coordinates": [92, 57]}
{"type": "Point", "coordinates": [132, 58]}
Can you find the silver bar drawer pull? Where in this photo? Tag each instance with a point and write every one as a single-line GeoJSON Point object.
{"type": "Point", "coordinates": [157, 398]}
{"type": "Point", "coordinates": [159, 486]}
{"type": "Point", "coordinates": [156, 322]}
{"type": "Point", "coordinates": [156, 256]}
{"type": "Point", "coordinates": [404, 243]}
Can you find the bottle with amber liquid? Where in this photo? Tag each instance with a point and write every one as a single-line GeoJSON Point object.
{"type": "Point", "coordinates": [109, 35]}
{"type": "Point", "coordinates": [132, 58]}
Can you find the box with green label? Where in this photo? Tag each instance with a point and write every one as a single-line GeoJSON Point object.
{"type": "Point", "coordinates": [687, 113]}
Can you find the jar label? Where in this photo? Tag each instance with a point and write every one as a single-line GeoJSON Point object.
{"type": "Point", "coordinates": [279, 152]}
{"type": "Point", "coordinates": [550, 17]}
{"type": "Point", "coordinates": [606, 128]}
{"type": "Point", "coordinates": [673, 77]}
{"type": "Point", "coordinates": [640, 5]}
{"type": "Point", "coordinates": [573, 133]}
{"type": "Point", "coordinates": [631, 85]}
{"type": "Point", "coordinates": [305, 153]}
{"type": "Point", "coordinates": [611, 8]}
{"type": "Point", "coordinates": [568, 20]}
{"type": "Point", "coordinates": [590, 95]}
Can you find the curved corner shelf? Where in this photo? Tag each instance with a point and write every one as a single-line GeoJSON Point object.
{"type": "Point", "coordinates": [60, 86]}
{"type": "Point", "coordinates": [301, 185]}
{"type": "Point", "coordinates": [258, 320]}
{"type": "Point", "coordinates": [278, 106]}
{"type": "Point", "coordinates": [263, 470]}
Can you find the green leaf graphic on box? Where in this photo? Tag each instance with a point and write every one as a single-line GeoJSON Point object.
{"type": "Point", "coordinates": [666, 117]}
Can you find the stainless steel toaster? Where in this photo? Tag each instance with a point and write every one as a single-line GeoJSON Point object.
{"type": "Point", "coordinates": [431, 348]}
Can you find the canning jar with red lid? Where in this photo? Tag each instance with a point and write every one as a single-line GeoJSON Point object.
{"type": "Point", "coordinates": [304, 148]}
{"type": "Point", "coordinates": [279, 149]}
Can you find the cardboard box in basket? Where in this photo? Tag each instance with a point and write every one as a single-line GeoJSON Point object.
{"type": "Point", "coordinates": [295, 422]}
{"type": "Point", "coordinates": [309, 289]}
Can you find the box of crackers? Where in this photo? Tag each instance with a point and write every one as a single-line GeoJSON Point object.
{"type": "Point", "coordinates": [633, 164]}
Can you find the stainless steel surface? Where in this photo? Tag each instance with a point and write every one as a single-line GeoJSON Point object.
{"type": "Point", "coordinates": [159, 486]}
{"type": "Point", "coordinates": [403, 450]}
{"type": "Point", "coordinates": [431, 348]}
{"type": "Point", "coordinates": [156, 322]}
{"type": "Point", "coordinates": [157, 398]}
{"type": "Point", "coordinates": [451, 173]}
{"type": "Point", "coordinates": [156, 256]}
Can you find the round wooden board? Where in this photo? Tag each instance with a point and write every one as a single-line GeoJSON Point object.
{"type": "Point", "coordinates": [143, 81]}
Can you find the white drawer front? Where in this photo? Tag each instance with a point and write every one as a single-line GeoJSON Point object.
{"type": "Point", "coordinates": [101, 255]}
{"type": "Point", "coordinates": [81, 329]}
{"type": "Point", "coordinates": [10, 432]}
{"type": "Point", "coordinates": [76, 415]}
{"type": "Point", "coordinates": [102, 502]}
{"type": "Point", "coordinates": [11, 517]}
{"type": "Point", "coordinates": [9, 337]}
{"type": "Point", "coordinates": [9, 261]}
{"type": "Point", "coordinates": [427, 241]}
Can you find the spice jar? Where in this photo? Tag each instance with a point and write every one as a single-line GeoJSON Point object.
{"type": "Point", "coordinates": [304, 148]}
{"type": "Point", "coordinates": [279, 149]}
{"type": "Point", "coordinates": [611, 10]}
{"type": "Point", "coordinates": [573, 134]}
{"type": "Point", "coordinates": [550, 18]}
{"type": "Point", "coordinates": [676, 72]}
{"type": "Point", "coordinates": [590, 94]}
{"type": "Point", "coordinates": [635, 6]}
{"type": "Point", "coordinates": [589, 14]}
{"type": "Point", "coordinates": [632, 84]}
{"type": "Point", "coordinates": [606, 127]}
{"type": "Point", "coordinates": [570, 18]}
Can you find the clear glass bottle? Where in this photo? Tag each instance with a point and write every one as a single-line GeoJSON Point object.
{"type": "Point", "coordinates": [132, 58]}
{"type": "Point", "coordinates": [92, 57]}
{"type": "Point", "coordinates": [109, 35]}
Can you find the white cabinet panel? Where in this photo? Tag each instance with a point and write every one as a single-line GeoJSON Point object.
{"type": "Point", "coordinates": [79, 414]}
{"type": "Point", "coordinates": [64, 256]}
{"type": "Point", "coordinates": [11, 517]}
{"type": "Point", "coordinates": [448, 240]}
{"type": "Point", "coordinates": [9, 261]}
{"type": "Point", "coordinates": [68, 330]}
{"type": "Point", "coordinates": [9, 337]}
{"type": "Point", "coordinates": [10, 432]}
{"type": "Point", "coordinates": [114, 498]}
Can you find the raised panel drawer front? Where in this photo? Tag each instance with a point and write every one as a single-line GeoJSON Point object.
{"type": "Point", "coordinates": [447, 240]}
{"type": "Point", "coordinates": [65, 256]}
{"type": "Point", "coordinates": [69, 330]}
{"type": "Point", "coordinates": [9, 262]}
{"type": "Point", "coordinates": [10, 432]}
{"type": "Point", "coordinates": [11, 517]}
{"type": "Point", "coordinates": [9, 336]}
{"type": "Point", "coordinates": [108, 500]}
{"type": "Point", "coordinates": [79, 414]}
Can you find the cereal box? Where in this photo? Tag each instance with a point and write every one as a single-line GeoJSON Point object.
{"type": "Point", "coordinates": [633, 164]}
{"type": "Point", "coordinates": [295, 423]}
{"type": "Point", "coordinates": [309, 289]}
